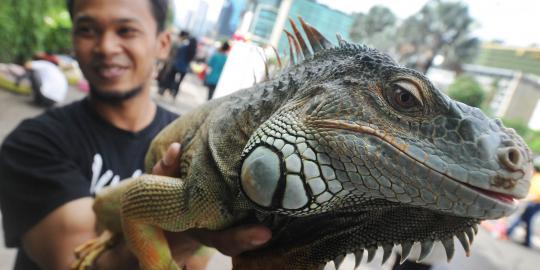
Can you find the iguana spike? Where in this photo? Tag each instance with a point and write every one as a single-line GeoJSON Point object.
{"type": "Point", "coordinates": [298, 51]}
{"type": "Point", "coordinates": [464, 242]}
{"type": "Point", "coordinates": [449, 247]}
{"type": "Point", "coordinates": [470, 233]}
{"type": "Point", "coordinates": [280, 64]}
{"type": "Point", "coordinates": [371, 253]}
{"type": "Point", "coordinates": [405, 251]}
{"type": "Point", "coordinates": [265, 61]}
{"type": "Point", "coordinates": [358, 258]}
{"type": "Point", "coordinates": [387, 252]}
{"type": "Point", "coordinates": [427, 247]}
{"type": "Point", "coordinates": [286, 63]}
{"type": "Point", "coordinates": [291, 51]}
{"type": "Point", "coordinates": [342, 42]}
{"type": "Point", "coordinates": [317, 41]}
{"type": "Point", "coordinates": [338, 261]}
{"type": "Point", "coordinates": [254, 78]}
{"type": "Point", "coordinates": [300, 39]}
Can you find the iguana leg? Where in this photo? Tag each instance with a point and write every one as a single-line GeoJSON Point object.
{"type": "Point", "coordinates": [88, 252]}
{"type": "Point", "coordinates": [149, 245]}
{"type": "Point", "coordinates": [152, 204]}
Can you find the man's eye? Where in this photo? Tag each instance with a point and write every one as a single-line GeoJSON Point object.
{"type": "Point", "coordinates": [127, 31]}
{"type": "Point", "coordinates": [84, 30]}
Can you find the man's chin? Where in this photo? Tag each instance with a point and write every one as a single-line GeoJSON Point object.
{"type": "Point", "coordinates": [114, 96]}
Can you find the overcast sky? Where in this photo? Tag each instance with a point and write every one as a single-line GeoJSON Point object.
{"type": "Point", "coordinates": [516, 22]}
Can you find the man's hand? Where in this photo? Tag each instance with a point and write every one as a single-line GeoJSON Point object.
{"type": "Point", "coordinates": [231, 242]}
{"type": "Point", "coordinates": [169, 165]}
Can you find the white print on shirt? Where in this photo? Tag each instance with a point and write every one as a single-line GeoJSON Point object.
{"type": "Point", "coordinates": [107, 178]}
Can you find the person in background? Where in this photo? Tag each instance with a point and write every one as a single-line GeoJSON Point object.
{"type": "Point", "coordinates": [52, 165]}
{"type": "Point", "coordinates": [215, 67]}
{"type": "Point", "coordinates": [531, 210]}
{"type": "Point", "coordinates": [182, 56]}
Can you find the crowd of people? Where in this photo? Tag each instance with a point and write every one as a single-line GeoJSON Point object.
{"type": "Point", "coordinates": [178, 64]}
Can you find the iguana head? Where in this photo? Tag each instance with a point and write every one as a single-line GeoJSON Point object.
{"type": "Point", "coordinates": [366, 153]}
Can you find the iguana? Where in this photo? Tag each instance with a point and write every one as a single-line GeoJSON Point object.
{"type": "Point", "coordinates": [342, 152]}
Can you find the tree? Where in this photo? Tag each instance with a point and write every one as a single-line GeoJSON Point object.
{"type": "Point", "coordinates": [24, 28]}
{"type": "Point", "coordinates": [439, 28]}
{"type": "Point", "coordinates": [375, 28]}
{"type": "Point", "coordinates": [467, 90]}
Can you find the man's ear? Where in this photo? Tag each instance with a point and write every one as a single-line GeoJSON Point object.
{"type": "Point", "coordinates": [164, 46]}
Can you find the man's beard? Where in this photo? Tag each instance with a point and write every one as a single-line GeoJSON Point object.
{"type": "Point", "coordinates": [114, 97]}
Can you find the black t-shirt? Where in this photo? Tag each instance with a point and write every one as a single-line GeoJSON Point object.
{"type": "Point", "coordinates": [65, 154]}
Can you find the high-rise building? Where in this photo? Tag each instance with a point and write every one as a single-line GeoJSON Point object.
{"type": "Point", "coordinates": [327, 20]}
{"type": "Point", "coordinates": [230, 17]}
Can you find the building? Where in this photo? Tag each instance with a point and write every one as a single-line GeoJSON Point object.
{"type": "Point", "coordinates": [264, 16]}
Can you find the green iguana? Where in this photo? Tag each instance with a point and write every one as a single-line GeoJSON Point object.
{"type": "Point", "coordinates": [342, 152]}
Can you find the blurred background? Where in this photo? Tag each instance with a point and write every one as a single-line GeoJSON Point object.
{"type": "Point", "coordinates": [483, 53]}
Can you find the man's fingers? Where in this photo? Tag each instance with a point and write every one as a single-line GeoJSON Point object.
{"type": "Point", "coordinates": [169, 165]}
{"type": "Point", "coordinates": [235, 240]}
{"type": "Point", "coordinates": [172, 155]}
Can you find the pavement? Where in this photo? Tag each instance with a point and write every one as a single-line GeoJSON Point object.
{"type": "Point", "coordinates": [488, 251]}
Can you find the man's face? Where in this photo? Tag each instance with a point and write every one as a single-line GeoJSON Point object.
{"type": "Point", "coordinates": [117, 44]}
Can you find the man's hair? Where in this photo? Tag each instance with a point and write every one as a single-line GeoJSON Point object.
{"type": "Point", "coordinates": [160, 10]}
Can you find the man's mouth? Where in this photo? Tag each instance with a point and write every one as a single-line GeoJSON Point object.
{"type": "Point", "coordinates": [111, 72]}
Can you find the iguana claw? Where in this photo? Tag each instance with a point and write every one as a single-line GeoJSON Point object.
{"type": "Point", "coordinates": [88, 252]}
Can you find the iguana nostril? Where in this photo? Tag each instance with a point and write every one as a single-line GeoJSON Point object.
{"type": "Point", "coordinates": [510, 158]}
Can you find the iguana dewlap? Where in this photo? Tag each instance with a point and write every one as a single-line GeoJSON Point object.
{"type": "Point", "coordinates": [342, 152]}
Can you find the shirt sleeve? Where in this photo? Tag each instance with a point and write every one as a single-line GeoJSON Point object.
{"type": "Point", "coordinates": [37, 175]}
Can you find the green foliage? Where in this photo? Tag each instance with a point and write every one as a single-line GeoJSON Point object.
{"type": "Point", "coordinates": [531, 137]}
{"type": "Point", "coordinates": [467, 90]}
{"type": "Point", "coordinates": [375, 21]}
{"type": "Point", "coordinates": [29, 26]}
{"type": "Point", "coordinates": [58, 31]}
{"type": "Point", "coordinates": [376, 28]}
{"type": "Point", "coordinates": [439, 28]}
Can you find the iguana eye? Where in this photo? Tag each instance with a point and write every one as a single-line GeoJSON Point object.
{"type": "Point", "coordinates": [404, 96]}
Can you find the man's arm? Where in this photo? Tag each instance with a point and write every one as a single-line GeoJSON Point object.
{"type": "Point", "coordinates": [52, 241]}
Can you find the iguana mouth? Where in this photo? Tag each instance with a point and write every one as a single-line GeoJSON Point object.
{"type": "Point", "coordinates": [504, 198]}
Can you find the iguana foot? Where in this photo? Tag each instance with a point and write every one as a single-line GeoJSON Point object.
{"type": "Point", "coordinates": [88, 252]}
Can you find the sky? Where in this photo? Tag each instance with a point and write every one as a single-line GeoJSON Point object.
{"type": "Point", "coordinates": [516, 22]}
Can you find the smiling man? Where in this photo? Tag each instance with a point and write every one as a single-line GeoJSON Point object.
{"type": "Point", "coordinates": [52, 165]}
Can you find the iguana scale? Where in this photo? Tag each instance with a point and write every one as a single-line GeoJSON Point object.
{"type": "Point", "coordinates": [342, 152]}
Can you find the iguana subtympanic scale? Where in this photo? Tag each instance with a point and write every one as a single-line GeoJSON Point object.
{"type": "Point", "coordinates": [342, 152]}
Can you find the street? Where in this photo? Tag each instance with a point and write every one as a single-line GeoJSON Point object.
{"type": "Point", "coordinates": [488, 252]}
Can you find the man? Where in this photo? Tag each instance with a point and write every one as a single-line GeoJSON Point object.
{"type": "Point", "coordinates": [179, 64]}
{"type": "Point", "coordinates": [51, 166]}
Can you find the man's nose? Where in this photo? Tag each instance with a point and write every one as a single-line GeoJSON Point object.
{"type": "Point", "coordinates": [108, 43]}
